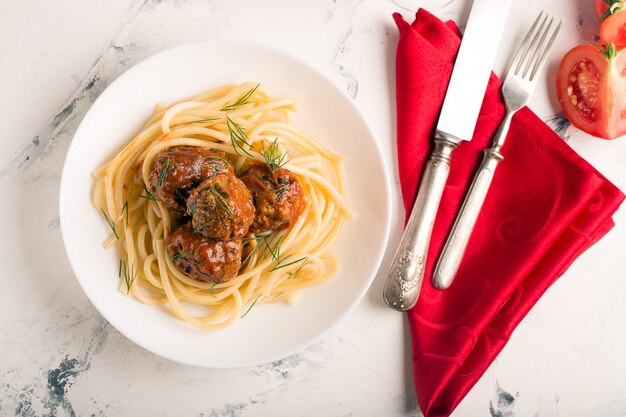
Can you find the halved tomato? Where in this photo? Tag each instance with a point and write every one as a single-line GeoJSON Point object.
{"type": "Point", "coordinates": [591, 87]}
{"type": "Point", "coordinates": [612, 16]}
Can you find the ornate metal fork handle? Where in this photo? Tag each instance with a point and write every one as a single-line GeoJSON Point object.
{"type": "Point", "coordinates": [518, 86]}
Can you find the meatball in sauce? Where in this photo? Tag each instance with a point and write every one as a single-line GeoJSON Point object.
{"type": "Point", "coordinates": [221, 207]}
{"type": "Point", "coordinates": [278, 197]}
{"type": "Point", "coordinates": [178, 170]}
{"type": "Point", "coordinates": [202, 258]}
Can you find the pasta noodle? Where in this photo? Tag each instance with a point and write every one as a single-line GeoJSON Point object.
{"type": "Point", "coordinates": [281, 263]}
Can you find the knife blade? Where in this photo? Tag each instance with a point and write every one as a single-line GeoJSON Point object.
{"type": "Point", "coordinates": [457, 121]}
{"type": "Point", "coordinates": [472, 68]}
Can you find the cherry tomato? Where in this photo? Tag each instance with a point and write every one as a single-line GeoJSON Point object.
{"type": "Point", "coordinates": [612, 16]}
{"type": "Point", "coordinates": [591, 88]}
{"type": "Point", "coordinates": [601, 7]}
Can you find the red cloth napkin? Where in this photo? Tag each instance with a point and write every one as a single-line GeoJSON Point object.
{"type": "Point", "coordinates": [545, 207]}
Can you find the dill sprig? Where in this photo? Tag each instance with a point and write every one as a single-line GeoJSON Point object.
{"type": "Point", "coordinates": [250, 308]}
{"type": "Point", "coordinates": [255, 239]}
{"type": "Point", "coordinates": [215, 282]}
{"type": "Point", "coordinates": [210, 119]}
{"type": "Point", "coordinates": [129, 275]}
{"type": "Point", "coordinates": [212, 287]}
{"type": "Point", "coordinates": [274, 249]}
{"type": "Point", "coordinates": [111, 224]}
{"type": "Point", "coordinates": [200, 229]}
{"type": "Point", "coordinates": [280, 193]}
{"type": "Point", "coordinates": [162, 174]}
{"type": "Point", "coordinates": [273, 157]}
{"type": "Point", "coordinates": [294, 273]}
{"type": "Point", "coordinates": [219, 158]}
{"type": "Point", "coordinates": [238, 137]}
{"type": "Point", "coordinates": [242, 100]}
{"type": "Point", "coordinates": [281, 263]}
{"type": "Point", "coordinates": [220, 197]}
{"type": "Point", "coordinates": [125, 210]}
{"type": "Point", "coordinates": [148, 195]}
{"type": "Point", "coordinates": [217, 165]}
{"type": "Point", "coordinates": [179, 255]}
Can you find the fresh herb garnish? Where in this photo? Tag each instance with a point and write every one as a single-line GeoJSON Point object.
{"type": "Point", "coordinates": [148, 195]}
{"type": "Point", "coordinates": [162, 174]}
{"type": "Point", "coordinates": [210, 119]}
{"type": "Point", "coordinates": [125, 209]}
{"type": "Point", "coordinates": [220, 197]}
{"type": "Point", "coordinates": [242, 100]}
{"type": "Point", "coordinates": [129, 275]}
{"type": "Point", "coordinates": [179, 255]}
{"type": "Point", "coordinates": [219, 164]}
{"type": "Point", "coordinates": [293, 273]}
{"type": "Point", "coordinates": [219, 158]}
{"type": "Point", "coordinates": [250, 308]}
{"type": "Point", "coordinates": [111, 224]}
{"type": "Point", "coordinates": [215, 282]}
{"type": "Point", "coordinates": [255, 239]}
{"type": "Point", "coordinates": [238, 137]}
{"type": "Point", "coordinates": [218, 188]}
{"type": "Point", "coordinates": [200, 229]}
{"type": "Point", "coordinates": [273, 157]}
{"type": "Point", "coordinates": [274, 249]}
{"type": "Point", "coordinates": [211, 288]}
{"type": "Point", "coordinates": [280, 263]}
{"type": "Point", "coordinates": [280, 191]}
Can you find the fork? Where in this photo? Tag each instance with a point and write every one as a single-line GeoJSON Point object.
{"type": "Point", "coordinates": [519, 83]}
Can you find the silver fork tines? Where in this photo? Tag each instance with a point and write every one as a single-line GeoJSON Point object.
{"type": "Point", "coordinates": [518, 86]}
{"type": "Point", "coordinates": [532, 51]}
{"type": "Point", "coordinates": [544, 54]}
{"type": "Point", "coordinates": [528, 61]}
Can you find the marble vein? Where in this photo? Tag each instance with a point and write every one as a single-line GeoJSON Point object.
{"type": "Point", "coordinates": [560, 124]}
{"type": "Point", "coordinates": [112, 60]}
{"type": "Point", "coordinates": [47, 393]}
{"type": "Point", "coordinates": [504, 404]}
{"type": "Point", "coordinates": [343, 48]}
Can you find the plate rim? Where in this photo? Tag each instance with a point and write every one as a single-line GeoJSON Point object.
{"type": "Point", "coordinates": [379, 155]}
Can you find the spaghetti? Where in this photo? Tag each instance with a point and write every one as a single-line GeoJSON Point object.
{"type": "Point", "coordinates": [238, 120]}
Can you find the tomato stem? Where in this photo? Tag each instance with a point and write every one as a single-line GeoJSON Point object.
{"type": "Point", "coordinates": [614, 7]}
{"type": "Point", "coordinates": [609, 51]}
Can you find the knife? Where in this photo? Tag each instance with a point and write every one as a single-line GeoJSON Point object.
{"type": "Point", "coordinates": [457, 120]}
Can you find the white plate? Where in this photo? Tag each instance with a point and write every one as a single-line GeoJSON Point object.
{"type": "Point", "coordinates": [270, 331]}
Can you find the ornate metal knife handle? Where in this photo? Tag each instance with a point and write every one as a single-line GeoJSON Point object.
{"type": "Point", "coordinates": [405, 277]}
{"type": "Point", "coordinates": [455, 246]}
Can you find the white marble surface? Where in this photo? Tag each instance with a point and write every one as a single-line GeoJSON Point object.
{"type": "Point", "coordinates": [58, 356]}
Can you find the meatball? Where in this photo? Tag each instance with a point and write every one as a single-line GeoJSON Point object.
{"type": "Point", "coordinates": [178, 170]}
{"type": "Point", "coordinates": [278, 197]}
{"type": "Point", "coordinates": [221, 207]}
{"type": "Point", "coordinates": [202, 258]}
